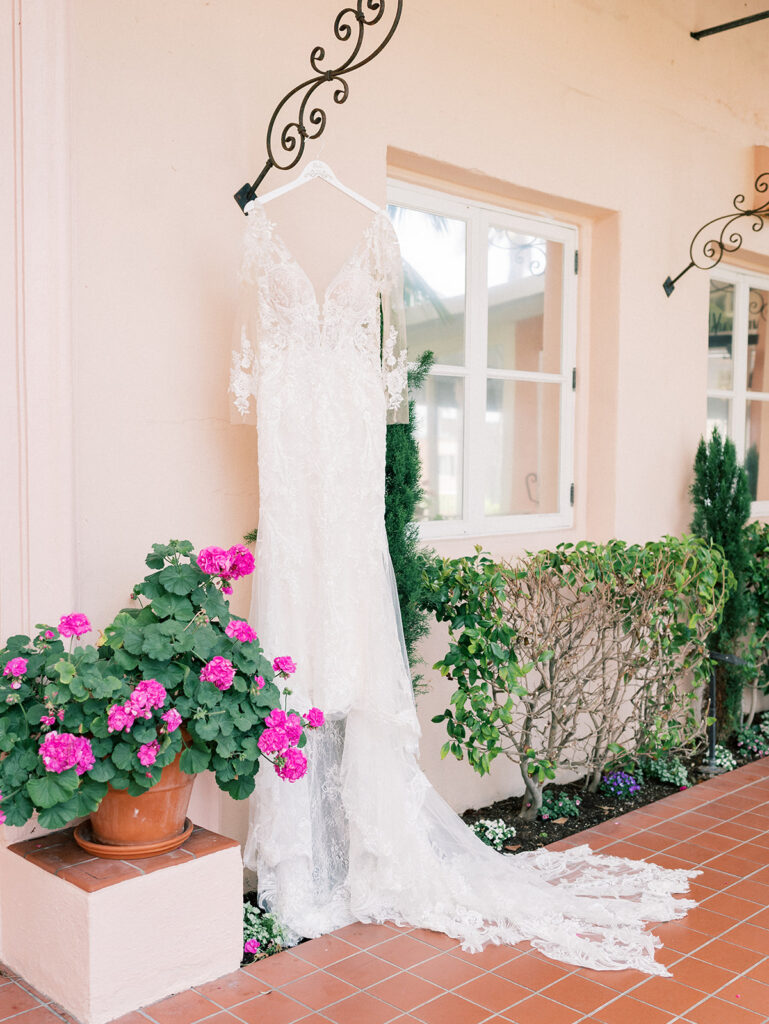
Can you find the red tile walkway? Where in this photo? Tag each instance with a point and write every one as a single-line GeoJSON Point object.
{"type": "Point", "coordinates": [376, 974]}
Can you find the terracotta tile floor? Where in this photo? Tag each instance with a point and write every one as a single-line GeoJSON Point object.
{"type": "Point", "coordinates": [376, 974]}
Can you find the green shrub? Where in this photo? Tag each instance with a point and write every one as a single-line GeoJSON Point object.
{"type": "Point", "coordinates": [546, 652]}
{"type": "Point", "coordinates": [558, 805]}
{"type": "Point", "coordinates": [721, 497]}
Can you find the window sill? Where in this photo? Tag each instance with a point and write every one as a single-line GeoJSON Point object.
{"type": "Point", "coordinates": [455, 529]}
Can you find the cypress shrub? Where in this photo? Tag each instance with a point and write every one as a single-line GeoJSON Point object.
{"type": "Point", "coordinates": [721, 498]}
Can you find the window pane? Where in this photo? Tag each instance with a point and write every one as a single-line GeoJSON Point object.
{"type": "Point", "coordinates": [433, 250]}
{"type": "Point", "coordinates": [522, 447]}
{"type": "Point", "coordinates": [758, 370]}
{"type": "Point", "coordinates": [719, 415]}
{"type": "Point", "coordinates": [756, 447]}
{"type": "Point", "coordinates": [440, 436]}
{"type": "Point", "coordinates": [525, 302]}
{"type": "Point", "coordinates": [720, 324]}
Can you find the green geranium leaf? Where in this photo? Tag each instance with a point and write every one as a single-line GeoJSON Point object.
{"type": "Point", "coordinates": [180, 579]}
{"type": "Point", "coordinates": [173, 606]}
{"type": "Point", "coordinates": [124, 757]}
{"type": "Point", "coordinates": [125, 661]}
{"type": "Point", "coordinates": [250, 748]}
{"type": "Point", "coordinates": [89, 795]}
{"type": "Point", "coordinates": [205, 730]}
{"type": "Point", "coordinates": [17, 809]}
{"type": "Point", "coordinates": [215, 605]}
{"type": "Point", "coordinates": [205, 642]}
{"type": "Point", "coordinates": [241, 787]}
{"type": "Point", "coordinates": [60, 815]}
{"type": "Point", "coordinates": [133, 638]}
{"type": "Point", "coordinates": [103, 771]}
{"type": "Point", "coordinates": [52, 789]}
{"type": "Point", "coordinates": [120, 781]}
{"type": "Point", "coordinates": [156, 645]}
{"type": "Point", "coordinates": [65, 670]}
{"type": "Point", "coordinates": [144, 731]}
{"type": "Point", "coordinates": [194, 760]}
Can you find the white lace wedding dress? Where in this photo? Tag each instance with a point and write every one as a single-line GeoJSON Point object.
{"type": "Point", "coordinates": [364, 836]}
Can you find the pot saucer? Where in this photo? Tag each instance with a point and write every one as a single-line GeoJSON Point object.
{"type": "Point", "coordinates": [83, 836]}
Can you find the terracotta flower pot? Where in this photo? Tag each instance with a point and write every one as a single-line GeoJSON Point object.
{"type": "Point", "coordinates": [155, 822]}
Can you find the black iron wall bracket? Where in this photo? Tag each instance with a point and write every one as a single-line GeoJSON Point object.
{"type": "Point", "coordinates": [708, 246]}
{"type": "Point", "coordinates": [310, 121]}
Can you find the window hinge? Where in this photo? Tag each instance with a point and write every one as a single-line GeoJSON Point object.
{"type": "Point", "coordinates": [576, 261]}
{"type": "Point", "coordinates": [574, 378]}
{"type": "Point", "coordinates": [571, 495]}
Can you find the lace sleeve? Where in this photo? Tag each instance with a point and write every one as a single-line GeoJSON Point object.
{"type": "Point", "coordinates": [243, 368]}
{"type": "Point", "coordinates": [394, 350]}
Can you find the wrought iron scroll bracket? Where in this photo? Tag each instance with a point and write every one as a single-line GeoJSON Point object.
{"type": "Point", "coordinates": [710, 243]}
{"type": "Point", "coordinates": [309, 122]}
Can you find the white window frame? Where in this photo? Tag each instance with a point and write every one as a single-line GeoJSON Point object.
{"type": "Point", "coordinates": [477, 217]}
{"type": "Point", "coordinates": [738, 395]}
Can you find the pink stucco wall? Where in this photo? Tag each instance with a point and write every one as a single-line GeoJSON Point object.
{"type": "Point", "coordinates": [127, 127]}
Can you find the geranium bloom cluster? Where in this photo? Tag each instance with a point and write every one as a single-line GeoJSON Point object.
{"type": "Point", "coordinates": [64, 750]}
{"type": "Point", "coordinates": [251, 946]}
{"type": "Point", "coordinates": [15, 668]}
{"type": "Point", "coordinates": [281, 737]}
{"type": "Point", "coordinates": [284, 666]}
{"type": "Point", "coordinates": [146, 696]}
{"type": "Point", "coordinates": [173, 720]}
{"type": "Point", "coordinates": [232, 564]}
{"type": "Point", "coordinates": [237, 629]}
{"type": "Point", "coordinates": [218, 671]}
{"type": "Point", "coordinates": [148, 753]}
{"type": "Point", "coordinates": [2, 816]}
{"type": "Point", "coordinates": [74, 625]}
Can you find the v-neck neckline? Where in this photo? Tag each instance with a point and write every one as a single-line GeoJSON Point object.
{"type": "Point", "coordinates": [320, 304]}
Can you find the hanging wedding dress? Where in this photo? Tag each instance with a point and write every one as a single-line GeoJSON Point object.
{"type": "Point", "coordinates": [364, 836]}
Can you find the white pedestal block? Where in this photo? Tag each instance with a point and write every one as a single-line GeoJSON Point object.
{"type": "Point", "coordinates": [105, 937]}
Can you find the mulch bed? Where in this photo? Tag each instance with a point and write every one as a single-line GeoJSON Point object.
{"type": "Point", "coordinates": [594, 809]}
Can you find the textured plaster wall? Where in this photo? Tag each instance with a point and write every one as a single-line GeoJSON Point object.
{"type": "Point", "coordinates": [603, 112]}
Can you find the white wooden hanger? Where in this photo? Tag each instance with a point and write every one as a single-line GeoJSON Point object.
{"type": "Point", "coordinates": [318, 169]}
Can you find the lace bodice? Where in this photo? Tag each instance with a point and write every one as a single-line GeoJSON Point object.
{"type": "Point", "coordinates": [360, 314]}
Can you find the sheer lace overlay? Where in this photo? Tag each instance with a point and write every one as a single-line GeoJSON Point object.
{"type": "Point", "coordinates": [364, 836]}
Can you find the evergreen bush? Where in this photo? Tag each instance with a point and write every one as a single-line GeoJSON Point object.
{"type": "Point", "coordinates": [721, 497]}
{"type": "Point", "coordinates": [403, 493]}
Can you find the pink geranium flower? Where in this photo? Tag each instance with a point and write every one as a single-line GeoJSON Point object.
{"type": "Point", "coordinates": [61, 751]}
{"type": "Point", "coordinates": [49, 634]}
{"type": "Point", "coordinates": [273, 741]}
{"type": "Point", "coordinates": [276, 719]}
{"type": "Point", "coordinates": [315, 718]}
{"type": "Point", "coordinates": [259, 680]}
{"type": "Point", "coordinates": [292, 766]}
{"type": "Point", "coordinates": [146, 695]}
{"type": "Point", "coordinates": [284, 666]}
{"type": "Point", "coordinates": [16, 667]}
{"type": "Point", "coordinates": [120, 718]}
{"type": "Point", "coordinates": [173, 719]}
{"type": "Point", "coordinates": [251, 946]}
{"type": "Point", "coordinates": [47, 720]}
{"type": "Point", "coordinates": [74, 625]}
{"type": "Point", "coordinates": [148, 753]}
{"type": "Point", "coordinates": [293, 728]}
{"type": "Point", "coordinates": [220, 672]}
{"type": "Point", "coordinates": [237, 629]}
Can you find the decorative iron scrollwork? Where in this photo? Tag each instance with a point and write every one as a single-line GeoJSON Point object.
{"type": "Point", "coordinates": [309, 120]}
{"type": "Point", "coordinates": [707, 249]}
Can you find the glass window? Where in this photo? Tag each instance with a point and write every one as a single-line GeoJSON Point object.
{"type": "Point", "coordinates": [738, 374]}
{"type": "Point", "coordinates": [492, 294]}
